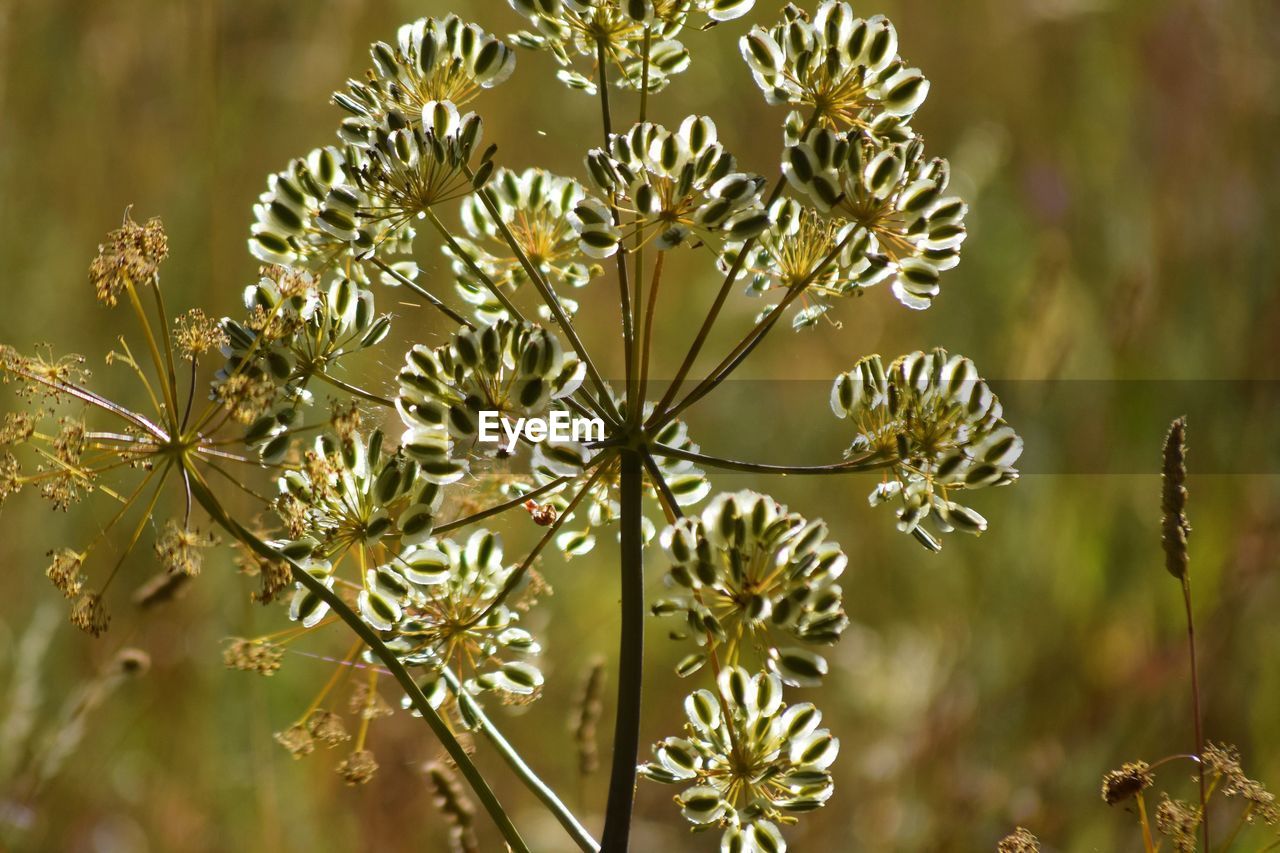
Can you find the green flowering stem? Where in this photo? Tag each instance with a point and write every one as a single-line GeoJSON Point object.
{"type": "Point", "coordinates": [753, 338]}
{"type": "Point", "coordinates": [170, 397]}
{"type": "Point", "coordinates": [355, 391]}
{"type": "Point", "coordinates": [862, 464]}
{"type": "Point", "coordinates": [485, 278]}
{"type": "Point", "coordinates": [167, 337]}
{"type": "Point", "coordinates": [471, 710]}
{"type": "Point", "coordinates": [624, 285]}
{"type": "Point", "coordinates": [370, 637]}
{"type": "Point", "coordinates": [730, 279]}
{"type": "Point", "coordinates": [626, 732]}
{"type": "Point", "coordinates": [647, 327]}
{"type": "Point", "coordinates": [518, 575]}
{"type": "Point", "coordinates": [545, 291]}
{"type": "Point", "coordinates": [431, 298]}
{"type": "Point", "coordinates": [502, 507]}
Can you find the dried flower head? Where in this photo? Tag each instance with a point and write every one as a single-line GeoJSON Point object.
{"type": "Point", "coordinates": [297, 740]}
{"type": "Point", "coordinates": [90, 615]}
{"type": "Point", "coordinates": [1021, 841]}
{"type": "Point", "coordinates": [1130, 780]}
{"type": "Point", "coordinates": [1178, 822]}
{"type": "Point", "coordinates": [358, 767]}
{"type": "Point", "coordinates": [64, 571]}
{"type": "Point", "coordinates": [179, 548]}
{"type": "Point", "coordinates": [260, 656]}
{"type": "Point", "coordinates": [131, 257]}
{"type": "Point", "coordinates": [327, 728]}
{"type": "Point", "coordinates": [938, 428]}
{"type": "Point", "coordinates": [196, 333]}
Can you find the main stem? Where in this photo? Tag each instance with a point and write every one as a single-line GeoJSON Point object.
{"type": "Point", "coordinates": [626, 731]}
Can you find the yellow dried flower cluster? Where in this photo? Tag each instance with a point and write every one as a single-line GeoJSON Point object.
{"type": "Point", "coordinates": [131, 256]}
{"type": "Point", "coordinates": [253, 656]}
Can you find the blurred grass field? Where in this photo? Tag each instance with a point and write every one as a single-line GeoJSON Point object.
{"type": "Point", "coordinates": [1121, 164]}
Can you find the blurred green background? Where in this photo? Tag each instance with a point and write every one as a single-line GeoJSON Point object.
{"type": "Point", "coordinates": [1121, 164]}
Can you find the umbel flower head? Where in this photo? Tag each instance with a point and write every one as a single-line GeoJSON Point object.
{"type": "Point", "coordinates": [790, 253]}
{"type": "Point", "coordinates": [445, 604]}
{"type": "Point", "coordinates": [940, 430]}
{"type": "Point", "coordinates": [747, 570]}
{"type": "Point", "coordinates": [535, 206]}
{"type": "Point", "coordinates": [844, 68]}
{"type": "Point", "coordinates": [351, 493]}
{"type": "Point", "coordinates": [299, 221]}
{"type": "Point", "coordinates": [681, 186]}
{"type": "Point", "coordinates": [131, 257]}
{"type": "Point", "coordinates": [433, 59]}
{"type": "Point", "coordinates": [295, 333]}
{"type": "Point", "coordinates": [583, 30]}
{"type": "Point", "coordinates": [751, 762]}
{"type": "Point", "coordinates": [513, 368]}
{"type": "Point", "coordinates": [408, 169]}
{"type": "Point", "coordinates": [907, 231]}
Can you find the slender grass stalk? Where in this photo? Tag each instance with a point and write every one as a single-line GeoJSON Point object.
{"type": "Point", "coordinates": [626, 732]}
{"type": "Point", "coordinates": [1174, 531]}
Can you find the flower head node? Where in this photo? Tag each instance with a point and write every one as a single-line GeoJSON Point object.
{"type": "Point", "coordinates": [433, 59]}
{"type": "Point", "coordinates": [938, 428]}
{"type": "Point", "coordinates": [747, 569]}
{"type": "Point", "coordinates": [844, 68]}
{"type": "Point", "coordinates": [751, 762]}
{"type": "Point", "coordinates": [683, 188]}
{"type": "Point", "coordinates": [907, 231]}
{"type": "Point", "coordinates": [131, 257]}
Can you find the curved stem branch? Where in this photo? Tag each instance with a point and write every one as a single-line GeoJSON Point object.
{"type": "Point", "coordinates": [861, 464]}
{"type": "Point", "coordinates": [370, 637]}
{"type": "Point", "coordinates": [429, 297]}
{"type": "Point", "coordinates": [472, 711]}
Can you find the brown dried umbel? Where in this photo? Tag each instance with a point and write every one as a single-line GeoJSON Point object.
{"type": "Point", "coordinates": [130, 257]}
{"type": "Point", "coordinates": [1020, 841]}
{"type": "Point", "coordinates": [1127, 782]}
